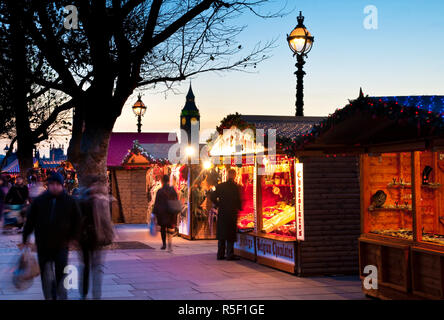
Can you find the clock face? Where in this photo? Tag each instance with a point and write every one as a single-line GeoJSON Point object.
{"type": "Point", "coordinates": [184, 121]}
{"type": "Point", "coordinates": [193, 120]}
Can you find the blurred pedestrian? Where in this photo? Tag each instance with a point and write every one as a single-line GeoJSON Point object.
{"type": "Point", "coordinates": [96, 232]}
{"type": "Point", "coordinates": [166, 208]}
{"type": "Point", "coordinates": [227, 199]}
{"type": "Point", "coordinates": [2, 195]}
{"type": "Point", "coordinates": [35, 190]}
{"type": "Point", "coordinates": [18, 194]}
{"type": "Point", "coordinates": [54, 217]}
{"type": "Point", "coordinates": [17, 200]}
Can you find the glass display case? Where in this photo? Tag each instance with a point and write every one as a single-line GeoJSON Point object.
{"type": "Point", "coordinates": [278, 197]}
{"type": "Point", "coordinates": [204, 214]}
{"type": "Point", "coordinates": [389, 194]}
{"type": "Point", "coordinates": [430, 218]}
{"type": "Point", "coordinates": [179, 181]}
{"type": "Point", "coordinates": [245, 179]}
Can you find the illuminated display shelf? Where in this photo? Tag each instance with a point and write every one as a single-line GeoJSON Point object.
{"type": "Point", "coordinates": [409, 185]}
{"type": "Point", "coordinates": [389, 208]}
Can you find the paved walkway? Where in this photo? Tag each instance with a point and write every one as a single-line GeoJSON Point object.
{"type": "Point", "coordinates": [189, 272]}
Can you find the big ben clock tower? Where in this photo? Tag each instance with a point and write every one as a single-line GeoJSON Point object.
{"type": "Point", "coordinates": [190, 120]}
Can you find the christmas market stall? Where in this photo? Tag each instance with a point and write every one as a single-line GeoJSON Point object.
{"type": "Point", "coordinates": [294, 216]}
{"type": "Point", "coordinates": [198, 220]}
{"type": "Point", "coordinates": [134, 183]}
{"type": "Point", "coordinates": [401, 149]}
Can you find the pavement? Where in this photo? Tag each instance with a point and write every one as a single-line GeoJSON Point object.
{"type": "Point", "coordinates": [190, 272]}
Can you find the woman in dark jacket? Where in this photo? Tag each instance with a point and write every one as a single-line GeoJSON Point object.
{"type": "Point", "coordinates": [165, 219]}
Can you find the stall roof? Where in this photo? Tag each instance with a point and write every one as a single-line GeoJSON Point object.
{"type": "Point", "coordinates": [156, 144]}
{"type": "Point", "coordinates": [14, 167]}
{"type": "Point", "coordinates": [51, 164]}
{"type": "Point", "coordinates": [286, 126]}
{"type": "Point", "coordinates": [378, 124]}
{"type": "Point", "coordinates": [430, 103]}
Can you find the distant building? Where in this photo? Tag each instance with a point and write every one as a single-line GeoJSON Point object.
{"type": "Point", "coordinates": [189, 119]}
{"type": "Point", "coordinates": [56, 157]}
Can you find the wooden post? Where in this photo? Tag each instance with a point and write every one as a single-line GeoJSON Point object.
{"type": "Point", "coordinates": [416, 196]}
{"type": "Point", "coordinates": [437, 193]}
{"type": "Point", "coordinates": [365, 192]}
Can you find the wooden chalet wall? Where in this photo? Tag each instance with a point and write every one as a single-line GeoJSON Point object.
{"type": "Point", "coordinates": [131, 186]}
{"type": "Point", "coordinates": [332, 215]}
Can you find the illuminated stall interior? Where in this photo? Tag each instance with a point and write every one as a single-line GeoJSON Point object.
{"type": "Point", "coordinates": [278, 198]}
{"type": "Point", "coordinates": [305, 226]}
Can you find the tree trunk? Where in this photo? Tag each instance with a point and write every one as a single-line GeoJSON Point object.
{"type": "Point", "coordinates": [20, 86]}
{"type": "Point", "coordinates": [93, 123]}
{"type": "Point", "coordinates": [25, 156]}
{"type": "Point", "coordinates": [91, 160]}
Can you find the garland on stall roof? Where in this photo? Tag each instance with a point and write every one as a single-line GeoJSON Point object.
{"type": "Point", "coordinates": [236, 121]}
{"type": "Point", "coordinates": [428, 123]}
{"type": "Point", "coordinates": [231, 120]}
{"type": "Point", "coordinates": [137, 149]}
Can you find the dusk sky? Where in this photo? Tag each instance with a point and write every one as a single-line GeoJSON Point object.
{"type": "Point", "coordinates": [404, 56]}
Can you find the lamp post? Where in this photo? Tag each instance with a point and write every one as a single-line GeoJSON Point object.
{"type": "Point", "coordinates": [139, 110]}
{"type": "Point", "coordinates": [300, 41]}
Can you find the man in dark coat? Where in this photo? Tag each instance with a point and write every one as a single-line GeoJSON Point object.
{"type": "Point", "coordinates": [54, 216]}
{"type": "Point", "coordinates": [165, 219]}
{"type": "Point", "coordinates": [227, 199]}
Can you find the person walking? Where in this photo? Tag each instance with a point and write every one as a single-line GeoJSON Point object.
{"type": "Point", "coordinates": [96, 232]}
{"type": "Point", "coordinates": [18, 194]}
{"type": "Point", "coordinates": [54, 217]}
{"type": "Point", "coordinates": [227, 199]}
{"type": "Point", "coordinates": [17, 199]}
{"type": "Point", "coordinates": [2, 196]}
{"type": "Point", "coordinates": [165, 212]}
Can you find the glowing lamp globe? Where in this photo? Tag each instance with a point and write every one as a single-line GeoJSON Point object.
{"type": "Point", "coordinates": [139, 107]}
{"type": "Point", "coordinates": [300, 39]}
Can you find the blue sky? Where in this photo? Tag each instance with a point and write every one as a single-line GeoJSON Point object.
{"type": "Point", "coordinates": [404, 56]}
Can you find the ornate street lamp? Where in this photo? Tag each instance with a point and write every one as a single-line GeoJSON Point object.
{"type": "Point", "coordinates": [300, 42]}
{"type": "Point", "coordinates": [139, 110]}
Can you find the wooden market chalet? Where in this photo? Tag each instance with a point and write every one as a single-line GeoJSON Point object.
{"type": "Point", "coordinates": [400, 145]}
{"type": "Point", "coordinates": [361, 187]}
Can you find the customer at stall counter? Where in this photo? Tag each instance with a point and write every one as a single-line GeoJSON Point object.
{"type": "Point", "coordinates": [227, 199]}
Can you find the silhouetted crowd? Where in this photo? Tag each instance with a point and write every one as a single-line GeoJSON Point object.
{"type": "Point", "coordinates": [60, 221]}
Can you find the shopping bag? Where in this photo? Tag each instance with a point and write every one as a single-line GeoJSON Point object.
{"type": "Point", "coordinates": [153, 225]}
{"type": "Point", "coordinates": [174, 207]}
{"type": "Point", "coordinates": [27, 269]}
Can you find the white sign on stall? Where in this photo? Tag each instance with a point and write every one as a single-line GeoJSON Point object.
{"type": "Point", "coordinates": [299, 174]}
{"type": "Point", "coordinates": [245, 243]}
{"type": "Point", "coordinates": [276, 250]}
